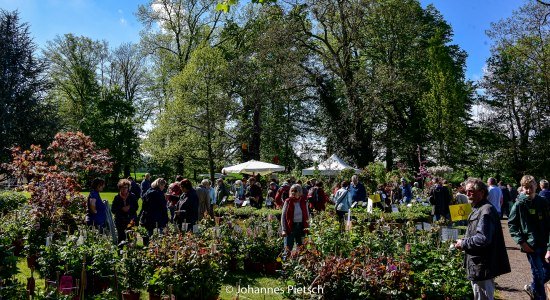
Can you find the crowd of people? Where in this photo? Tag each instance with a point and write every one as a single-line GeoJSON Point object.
{"type": "Point", "coordinates": [183, 204]}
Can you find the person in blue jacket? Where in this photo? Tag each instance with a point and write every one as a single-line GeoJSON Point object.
{"type": "Point", "coordinates": [406, 190]}
{"type": "Point", "coordinates": [357, 190]}
{"type": "Point", "coordinates": [96, 212]}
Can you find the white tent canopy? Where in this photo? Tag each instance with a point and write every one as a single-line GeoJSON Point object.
{"type": "Point", "coordinates": [253, 167]}
{"type": "Point", "coordinates": [332, 166]}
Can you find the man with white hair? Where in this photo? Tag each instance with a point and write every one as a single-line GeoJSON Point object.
{"type": "Point", "coordinates": [203, 193]}
{"type": "Point", "coordinates": [544, 192]}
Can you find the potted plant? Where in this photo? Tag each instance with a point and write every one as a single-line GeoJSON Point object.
{"type": "Point", "coordinates": [132, 266]}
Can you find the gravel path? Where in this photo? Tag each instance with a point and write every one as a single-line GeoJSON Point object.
{"type": "Point", "coordinates": [510, 286]}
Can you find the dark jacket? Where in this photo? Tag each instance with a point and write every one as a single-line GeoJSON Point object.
{"type": "Point", "coordinates": [221, 191]}
{"type": "Point", "coordinates": [506, 197]}
{"type": "Point", "coordinates": [545, 194]}
{"type": "Point", "coordinates": [529, 221]}
{"type": "Point", "coordinates": [357, 192]}
{"type": "Point", "coordinates": [483, 244]}
{"type": "Point", "coordinates": [135, 189]}
{"type": "Point", "coordinates": [254, 191]}
{"type": "Point", "coordinates": [317, 198]}
{"type": "Point", "coordinates": [122, 218]}
{"type": "Point", "coordinates": [145, 186]}
{"type": "Point", "coordinates": [98, 218]}
{"type": "Point", "coordinates": [187, 209]}
{"type": "Point", "coordinates": [153, 210]}
{"type": "Point", "coordinates": [440, 199]}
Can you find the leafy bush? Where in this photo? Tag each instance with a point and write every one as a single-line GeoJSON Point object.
{"type": "Point", "coordinates": [184, 265]}
{"type": "Point", "coordinates": [11, 288]}
{"type": "Point", "coordinates": [10, 201]}
{"type": "Point", "coordinates": [132, 265]}
{"type": "Point", "coordinates": [355, 277]}
{"type": "Point", "coordinates": [66, 254]}
{"type": "Point", "coordinates": [247, 212]}
{"type": "Point", "coordinates": [377, 260]}
{"type": "Point", "coordinates": [14, 226]}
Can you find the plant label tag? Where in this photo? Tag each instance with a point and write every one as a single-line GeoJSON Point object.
{"type": "Point", "coordinates": [449, 234]}
{"type": "Point", "coordinates": [427, 226]}
{"type": "Point", "coordinates": [394, 208]}
{"type": "Point", "coordinates": [80, 240]}
{"type": "Point", "coordinates": [418, 226]}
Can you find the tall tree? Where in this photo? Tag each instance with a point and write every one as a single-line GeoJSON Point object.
{"type": "Point", "coordinates": [74, 65]}
{"type": "Point", "coordinates": [194, 126]}
{"type": "Point", "coordinates": [330, 31]}
{"type": "Point", "coordinates": [173, 30]}
{"type": "Point", "coordinates": [25, 117]}
{"type": "Point", "coordinates": [129, 71]}
{"type": "Point", "coordinates": [517, 90]}
{"type": "Point", "coordinates": [98, 92]}
{"type": "Point", "coordinates": [268, 83]}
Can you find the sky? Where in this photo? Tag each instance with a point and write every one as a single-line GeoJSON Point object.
{"type": "Point", "coordinates": [114, 21]}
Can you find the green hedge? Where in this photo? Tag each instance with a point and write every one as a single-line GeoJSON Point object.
{"type": "Point", "coordinates": [245, 212]}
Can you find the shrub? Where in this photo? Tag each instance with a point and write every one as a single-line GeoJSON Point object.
{"type": "Point", "coordinates": [355, 277]}
{"type": "Point", "coordinates": [10, 201]}
{"type": "Point", "coordinates": [184, 265]}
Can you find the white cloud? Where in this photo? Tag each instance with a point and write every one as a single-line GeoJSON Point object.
{"type": "Point", "coordinates": [122, 21]}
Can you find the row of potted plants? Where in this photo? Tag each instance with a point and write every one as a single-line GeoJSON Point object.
{"type": "Point", "coordinates": [384, 262]}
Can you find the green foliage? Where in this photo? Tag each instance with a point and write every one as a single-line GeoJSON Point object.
{"type": "Point", "coordinates": [192, 130]}
{"type": "Point", "coordinates": [375, 174]}
{"type": "Point", "coordinates": [132, 265]}
{"type": "Point", "coordinates": [66, 255]}
{"type": "Point", "coordinates": [185, 265]}
{"type": "Point", "coordinates": [373, 260]}
{"type": "Point", "coordinates": [10, 201]}
{"type": "Point", "coordinates": [437, 271]}
{"type": "Point", "coordinates": [246, 212]}
{"type": "Point", "coordinates": [26, 117]}
{"type": "Point", "coordinates": [516, 94]}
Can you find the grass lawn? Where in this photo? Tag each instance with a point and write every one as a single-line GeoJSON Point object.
{"type": "Point", "coordinates": [248, 282]}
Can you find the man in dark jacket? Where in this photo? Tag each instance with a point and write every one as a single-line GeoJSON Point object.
{"type": "Point", "coordinates": [486, 256]}
{"type": "Point", "coordinates": [440, 198]}
{"type": "Point", "coordinates": [529, 224]}
{"type": "Point", "coordinates": [357, 190]}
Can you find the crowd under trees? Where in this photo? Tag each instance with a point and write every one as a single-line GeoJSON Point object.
{"type": "Point", "coordinates": [367, 80]}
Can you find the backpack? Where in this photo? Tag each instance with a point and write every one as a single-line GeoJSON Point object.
{"type": "Point", "coordinates": [313, 195]}
{"type": "Point", "coordinates": [285, 192]}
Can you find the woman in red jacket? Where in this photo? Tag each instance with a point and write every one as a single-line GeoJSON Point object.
{"type": "Point", "coordinates": [295, 217]}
